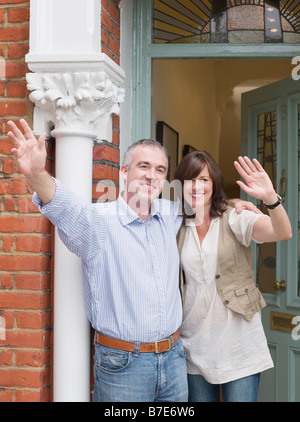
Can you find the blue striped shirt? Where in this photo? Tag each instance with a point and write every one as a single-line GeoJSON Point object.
{"type": "Point", "coordinates": [130, 266]}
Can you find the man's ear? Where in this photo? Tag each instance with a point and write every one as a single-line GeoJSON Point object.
{"type": "Point", "coordinates": [123, 171]}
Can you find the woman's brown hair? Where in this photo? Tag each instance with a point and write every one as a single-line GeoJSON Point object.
{"type": "Point", "coordinates": [191, 166]}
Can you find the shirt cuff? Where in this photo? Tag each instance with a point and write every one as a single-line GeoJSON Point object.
{"type": "Point", "coordinates": [57, 205]}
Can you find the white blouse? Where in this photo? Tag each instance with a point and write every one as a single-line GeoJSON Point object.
{"type": "Point", "coordinates": [220, 344]}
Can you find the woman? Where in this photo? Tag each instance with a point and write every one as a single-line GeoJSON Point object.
{"type": "Point", "coordinates": [222, 331]}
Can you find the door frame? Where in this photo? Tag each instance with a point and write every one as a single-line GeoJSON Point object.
{"type": "Point", "coordinates": [144, 51]}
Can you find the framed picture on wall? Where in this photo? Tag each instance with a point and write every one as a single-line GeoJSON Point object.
{"type": "Point", "coordinates": [187, 149]}
{"type": "Point", "coordinates": [169, 138]}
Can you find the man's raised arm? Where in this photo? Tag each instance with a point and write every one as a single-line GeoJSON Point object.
{"type": "Point", "coordinates": [31, 157]}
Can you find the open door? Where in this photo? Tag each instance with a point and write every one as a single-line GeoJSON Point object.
{"type": "Point", "coordinates": [271, 132]}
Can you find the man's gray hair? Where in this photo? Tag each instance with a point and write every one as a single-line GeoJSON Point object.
{"type": "Point", "coordinates": [127, 159]}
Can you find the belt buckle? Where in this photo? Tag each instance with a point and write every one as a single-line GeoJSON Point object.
{"type": "Point", "coordinates": [156, 345]}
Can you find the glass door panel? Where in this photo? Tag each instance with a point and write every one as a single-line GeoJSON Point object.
{"type": "Point", "coordinates": [267, 156]}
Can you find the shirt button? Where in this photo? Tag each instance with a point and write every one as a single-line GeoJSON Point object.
{"type": "Point", "coordinates": [218, 276]}
{"type": "Point", "coordinates": [246, 290]}
{"type": "Point", "coordinates": [226, 302]}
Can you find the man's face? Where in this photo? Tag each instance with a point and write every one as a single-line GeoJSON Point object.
{"type": "Point", "coordinates": [145, 176]}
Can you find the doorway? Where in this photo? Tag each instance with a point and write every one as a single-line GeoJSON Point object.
{"type": "Point", "coordinates": [203, 101]}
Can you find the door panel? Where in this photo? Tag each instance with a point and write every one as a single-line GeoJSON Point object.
{"type": "Point", "coordinates": [270, 132]}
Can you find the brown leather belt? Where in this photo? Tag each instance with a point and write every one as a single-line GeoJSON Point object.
{"type": "Point", "coordinates": [157, 347]}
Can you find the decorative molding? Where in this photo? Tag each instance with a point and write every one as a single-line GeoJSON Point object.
{"type": "Point", "coordinates": [79, 100]}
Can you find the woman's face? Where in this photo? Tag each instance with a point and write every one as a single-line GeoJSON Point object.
{"type": "Point", "coordinates": [198, 191]}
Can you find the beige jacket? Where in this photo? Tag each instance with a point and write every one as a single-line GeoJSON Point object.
{"type": "Point", "coordinates": [234, 276]}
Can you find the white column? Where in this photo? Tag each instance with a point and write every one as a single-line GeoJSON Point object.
{"type": "Point", "coordinates": [75, 89]}
{"type": "Point", "coordinates": [71, 342]}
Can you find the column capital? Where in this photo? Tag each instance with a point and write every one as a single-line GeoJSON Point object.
{"type": "Point", "coordinates": [74, 100]}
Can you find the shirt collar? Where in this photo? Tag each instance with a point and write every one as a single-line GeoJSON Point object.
{"type": "Point", "coordinates": [127, 215]}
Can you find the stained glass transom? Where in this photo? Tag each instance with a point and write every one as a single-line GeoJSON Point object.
{"type": "Point", "coordinates": [226, 21]}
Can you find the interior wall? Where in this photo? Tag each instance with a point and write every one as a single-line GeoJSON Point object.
{"type": "Point", "coordinates": [201, 100]}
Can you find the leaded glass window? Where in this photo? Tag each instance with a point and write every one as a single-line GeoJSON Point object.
{"type": "Point", "coordinates": [267, 156]}
{"type": "Point", "coordinates": [226, 21]}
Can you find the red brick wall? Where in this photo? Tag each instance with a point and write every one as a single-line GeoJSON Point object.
{"type": "Point", "coordinates": [106, 155]}
{"type": "Point", "coordinates": [26, 241]}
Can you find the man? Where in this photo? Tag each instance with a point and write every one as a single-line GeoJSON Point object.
{"type": "Point", "coordinates": [130, 267]}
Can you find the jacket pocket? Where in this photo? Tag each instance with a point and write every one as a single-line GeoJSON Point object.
{"type": "Point", "coordinates": [249, 299]}
{"type": "Point", "coordinates": [245, 300]}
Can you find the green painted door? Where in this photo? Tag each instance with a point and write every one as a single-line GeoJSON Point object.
{"type": "Point", "coordinates": [271, 132]}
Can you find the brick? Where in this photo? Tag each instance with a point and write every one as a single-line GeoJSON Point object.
{"type": "Point", "coordinates": [33, 320]}
{"type": "Point", "coordinates": [17, 51]}
{"type": "Point", "coordinates": [33, 244]}
{"type": "Point", "coordinates": [115, 137]}
{"type": "Point", "coordinates": [106, 21]}
{"type": "Point", "coordinates": [9, 166]}
{"type": "Point", "coordinates": [21, 224]}
{"type": "Point", "coordinates": [8, 243]}
{"type": "Point", "coordinates": [9, 204]}
{"type": "Point", "coordinates": [42, 395]}
{"type": "Point", "coordinates": [2, 89]}
{"type": "Point", "coordinates": [9, 318]}
{"type": "Point", "coordinates": [33, 300]}
{"type": "Point", "coordinates": [116, 175]}
{"type": "Point", "coordinates": [2, 16]}
{"type": "Point", "coordinates": [19, 378]}
{"type": "Point", "coordinates": [102, 172]}
{"type": "Point", "coordinates": [13, 187]}
{"type": "Point", "coordinates": [25, 205]}
{"type": "Point", "coordinates": [24, 263]}
{"type": "Point", "coordinates": [26, 339]}
{"type": "Point", "coordinates": [14, 33]}
{"type": "Point", "coordinates": [16, 70]}
{"type": "Point", "coordinates": [18, 14]}
{"type": "Point", "coordinates": [34, 358]}
{"type": "Point", "coordinates": [5, 147]}
{"type": "Point", "coordinates": [33, 281]}
{"type": "Point", "coordinates": [13, 108]}
{"type": "Point", "coordinates": [7, 281]}
{"type": "Point", "coordinates": [114, 12]}
{"type": "Point", "coordinates": [116, 31]}
{"type": "Point", "coordinates": [116, 121]}
{"type": "Point", "coordinates": [114, 46]}
{"type": "Point", "coordinates": [6, 396]}
{"type": "Point", "coordinates": [27, 396]}
{"type": "Point", "coordinates": [6, 357]}
{"type": "Point", "coordinates": [104, 36]}
{"type": "Point", "coordinates": [104, 152]}
{"type": "Point", "coordinates": [16, 89]}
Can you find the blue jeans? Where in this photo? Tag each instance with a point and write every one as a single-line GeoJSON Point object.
{"type": "Point", "coordinates": [240, 390]}
{"type": "Point", "coordinates": [140, 377]}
